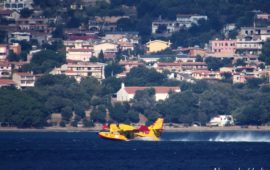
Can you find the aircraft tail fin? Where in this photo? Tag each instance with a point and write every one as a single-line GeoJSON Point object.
{"type": "Point", "coordinates": [157, 125]}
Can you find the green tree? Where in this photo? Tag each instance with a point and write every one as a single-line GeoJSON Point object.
{"type": "Point", "coordinates": [13, 57]}
{"type": "Point", "coordinates": [161, 29]}
{"type": "Point", "coordinates": [58, 32]}
{"type": "Point", "coordinates": [25, 13]}
{"type": "Point", "coordinates": [101, 57]}
{"type": "Point", "coordinates": [44, 61]}
{"type": "Point", "coordinates": [133, 116]}
{"type": "Point", "coordinates": [240, 62]}
{"type": "Point", "coordinates": [265, 56]}
{"type": "Point", "coordinates": [79, 110]}
{"type": "Point", "coordinates": [98, 115]}
{"type": "Point", "coordinates": [113, 69]}
{"type": "Point", "coordinates": [254, 82]}
{"type": "Point", "coordinates": [118, 112]}
{"type": "Point", "coordinates": [142, 76]}
{"type": "Point", "coordinates": [144, 99]}
{"type": "Point", "coordinates": [214, 63]}
{"type": "Point", "coordinates": [66, 113]}
{"type": "Point", "coordinates": [126, 24]}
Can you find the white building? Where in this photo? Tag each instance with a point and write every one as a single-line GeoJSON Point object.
{"type": "Point", "coordinates": [181, 22]}
{"type": "Point", "coordinates": [126, 94]}
{"type": "Point", "coordinates": [249, 45]}
{"type": "Point", "coordinates": [18, 4]}
{"type": "Point", "coordinates": [24, 79]}
{"type": "Point", "coordinates": [188, 20]}
{"type": "Point", "coordinates": [105, 47]}
{"type": "Point", "coordinates": [3, 51]}
{"type": "Point", "coordinates": [80, 70]}
{"type": "Point", "coordinates": [78, 50]}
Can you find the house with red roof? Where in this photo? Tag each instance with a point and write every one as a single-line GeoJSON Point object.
{"type": "Point", "coordinates": [125, 94]}
{"type": "Point", "coordinates": [206, 74]}
{"type": "Point", "coordinates": [6, 83]}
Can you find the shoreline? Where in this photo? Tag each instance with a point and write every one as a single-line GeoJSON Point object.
{"type": "Point", "coordinates": [166, 129]}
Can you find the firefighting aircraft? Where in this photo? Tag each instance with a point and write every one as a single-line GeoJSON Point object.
{"type": "Point", "coordinates": [123, 132]}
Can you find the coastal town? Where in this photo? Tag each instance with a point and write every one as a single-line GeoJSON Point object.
{"type": "Point", "coordinates": [60, 72]}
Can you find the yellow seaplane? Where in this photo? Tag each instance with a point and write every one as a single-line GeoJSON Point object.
{"type": "Point", "coordinates": [123, 132]}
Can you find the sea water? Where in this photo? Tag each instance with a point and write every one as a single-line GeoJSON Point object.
{"type": "Point", "coordinates": [175, 150]}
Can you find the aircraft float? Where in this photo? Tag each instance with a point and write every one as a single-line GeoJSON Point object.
{"type": "Point", "coordinates": [123, 132]}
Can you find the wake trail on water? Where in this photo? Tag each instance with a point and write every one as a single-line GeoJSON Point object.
{"type": "Point", "coordinates": [238, 137]}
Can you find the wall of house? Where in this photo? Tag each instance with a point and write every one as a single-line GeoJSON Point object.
{"type": "Point", "coordinates": [3, 52]}
{"type": "Point", "coordinates": [79, 56]}
{"type": "Point", "coordinates": [161, 96]}
{"type": "Point", "coordinates": [223, 47]}
{"type": "Point", "coordinates": [104, 47]}
{"type": "Point", "coordinates": [123, 96]}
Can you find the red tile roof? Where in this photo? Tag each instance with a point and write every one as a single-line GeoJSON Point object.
{"type": "Point", "coordinates": [158, 89]}
{"type": "Point", "coordinates": [6, 82]}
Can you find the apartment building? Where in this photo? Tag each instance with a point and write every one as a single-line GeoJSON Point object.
{"type": "Point", "coordinates": [80, 70]}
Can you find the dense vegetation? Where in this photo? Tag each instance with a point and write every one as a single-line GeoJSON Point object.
{"type": "Point", "coordinates": [198, 102]}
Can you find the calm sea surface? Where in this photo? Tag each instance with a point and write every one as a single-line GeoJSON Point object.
{"type": "Point", "coordinates": [176, 150]}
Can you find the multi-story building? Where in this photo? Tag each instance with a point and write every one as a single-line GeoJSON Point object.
{"type": "Point", "coordinates": [109, 49]}
{"type": "Point", "coordinates": [33, 24]}
{"type": "Point", "coordinates": [223, 48]}
{"type": "Point", "coordinates": [181, 22]}
{"type": "Point", "coordinates": [263, 16]}
{"type": "Point", "coordinates": [250, 39]}
{"type": "Point", "coordinates": [170, 27]}
{"type": "Point", "coordinates": [187, 21]}
{"type": "Point", "coordinates": [194, 66]}
{"type": "Point", "coordinates": [249, 45]}
{"type": "Point", "coordinates": [24, 79]}
{"type": "Point", "coordinates": [18, 5]}
{"type": "Point", "coordinates": [180, 66]}
{"type": "Point", "coordinates": [242, 73]}
{"type": "Point", "coordinates": [3, 51]}
{"type": "Point", "coordinates": [5, 69]}
{"type": "Point", "coordinates": [79, 70]}
{"type": "Point", "coordinates": [172, 67]}
{"type": "Point", "coordinates": [78, 50]}
{"type": "Point", "coordinates": [205, 74]}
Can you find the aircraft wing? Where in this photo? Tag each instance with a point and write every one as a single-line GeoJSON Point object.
{"type": "Point", "coordinates": [121, 128]}
{"type": "Point", "coordinates": [125, 127]}
{"type": "Point", "coordinates": [114, 128]}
